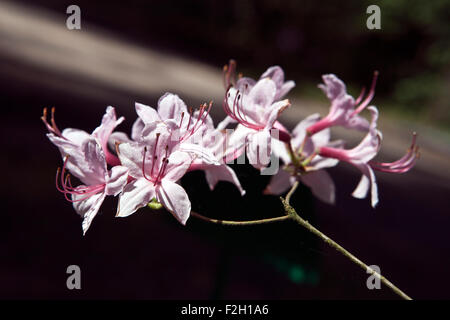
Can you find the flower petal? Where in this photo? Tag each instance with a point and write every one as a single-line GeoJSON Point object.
{"type": "Point", "coordinates": [116, 181]}
{"type": "Point", "coordinates": [76, 136]}
{"type": "Point", "coordinates": [136, 130]}
{"type": "Point", "coordinates": [146, 113]}
{"type": "Point", "coordinates": [367, 181]}
{"type": "Point", "coordinates": [223, 172]}
{"type": "Point", "coordinates": [280, 183]}
{"type": "Point", "coordinates": [135, 195]}
{"type": "Point", "coordinates": [131, 155]}
{"type": "Point", "coordinates": [273, 112]}
{"type": "Point", "coordinates": [177, 166]}
{"type": "Point", "coordinates": [173, 197]}
{"type": "Point", "coordinates": [117, 137]}
{"type": "Point", "coordinates": [333, 87]}
{"type": "Point", "coordinates": [109, 122]}
{"type": "Point", "coordinates": [88, 208]}
{"type": "Point", "coordinates": [200, 153]}
{"type": "Point", "coordinates": [170, 106]}
{"type": "Point", "coordinates": [321, 184]}
{"type": "Point", "coordinates": [261, 95]}
{"type": "Point", "coordinates": [259, 149]}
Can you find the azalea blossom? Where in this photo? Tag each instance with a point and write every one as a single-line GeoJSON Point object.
{"type": "Point", "coordinates": [74, 138]}
{"type": "Point", "coordinates": [97, 181]}
{"type": "Point", "coordinates": [186, 125]}
{"type": "Point", "coordinates": [344, 110]}
{"type": "Point", "coordinates": [216, 141]}
{"type": "Point", "coordinates": [156, 167]}
{"type": "Point", "coordinates": [301, 162]}
{"type": "Point", "coordinates": [275, 73]}
{"type": "Point", "coordinates": [256, 113]}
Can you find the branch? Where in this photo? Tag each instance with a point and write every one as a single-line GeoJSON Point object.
{"type": "Point", "coordinates": [239, 223]}
{"type": "Point", "coordinates": [290, 211]}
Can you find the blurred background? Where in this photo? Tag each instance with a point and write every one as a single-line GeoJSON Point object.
{"type": "Point", "coordinates": [137, 51]}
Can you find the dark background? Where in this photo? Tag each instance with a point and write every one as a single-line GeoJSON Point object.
{"type": "Point", "coordinates": [149, 255]}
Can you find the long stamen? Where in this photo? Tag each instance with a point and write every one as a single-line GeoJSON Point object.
{"type": "Point", "coordinates": [361, 95]}
{"type": "Point", "coordinates": [155, 156]}
{"type": "Point", "coordinates": [369, 96]}
{"type": "Point", "coordinates": [143, 165]}
{"type": "Point", "coordinates": [51, 128]}
{"type": "Point", "coordinates": [58, 171]}
{"type": "Point", "coordinates": [164, 162]}
{"type": "Point", "coordinates": [402, 165]}
{"type": "Point", "coordinates": [54, 123]}
{"type": "Point", "coordinates": [181, 121]}
{"type": "Point", "coordinates": [66, 185]}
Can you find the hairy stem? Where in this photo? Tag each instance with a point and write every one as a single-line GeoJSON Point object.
{"type": "Point", "coordinates": [290, 211]}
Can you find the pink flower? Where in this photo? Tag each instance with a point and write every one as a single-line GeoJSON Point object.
{"type": "Point", "coordinates": [361, 156]}
{"type": "Point", "coordinates": [256, 112]}
{"type": "Point", "coordinates": [344, 110]}
{"type": "Point", "coordinates": [75, 137]}
{"type": "Point", "coordinates": [304, 164]}
{"type": "Point", "coordinates": [156, 166]}
{"type": "Point", "coordinates": [275, 73]}
{"type": "Point", "coordinates": [216, 142]}
{"type": "Point", "coordinates": [186, 126]}
{"type": "Point", "coordinates": [90, 166]}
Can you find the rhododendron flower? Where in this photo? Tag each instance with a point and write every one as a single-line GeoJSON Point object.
{"type": "Point", "coordinates": [216, 141]}
{"type": "Point", "coordinates": [244, 84]}
{"type": "Point", "coordinates": [187, 126]}
{"type": "Point", "coordinates": [360, 156]}
{"type": "Point", "coordinates": [75, 138]}
{"type": "Point", "coordinates": [344, 110]}
{"type": "Point", "coordinates": [256, 112]}
{"type": "Point", "coordinates": [98, 182]}
{"type": "Point", "coordinates": [156, 167]}
{"type": "Point", "coordinates": [304, 164]}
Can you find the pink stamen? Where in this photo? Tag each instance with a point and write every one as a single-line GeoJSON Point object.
{"type": "Point", "coordinates": [369, 96]}
{"type": "Point", "coordinates": [67, 188]}
{"type": "Point", "coordinates": [155, 157]}
{"type": "Point", "coordinates": [51, 128]}
{"type": "Point", "coordinates": [402, 165]}
{"type": "Point", "coordinates": [162, 169]}
{"type": "Point", "coordinates": [361, 95]}
{"type": "Point", "coordinates": [236, 113]}
{"type": "Point", "coordinates": [143, 165]}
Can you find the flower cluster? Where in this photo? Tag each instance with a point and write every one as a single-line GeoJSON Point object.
{"type": "Point", "coordinates": [171, 140]}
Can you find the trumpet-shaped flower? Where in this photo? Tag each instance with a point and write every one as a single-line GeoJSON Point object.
{"type": "Point", "coordinates": [360, 156]}
{"type": "Point", "coordinates": [256, 113]}
{"type": "Point", "coordinates": [156, 167]}
{"type": "Point", "coordinates": [74, 138]}
{"type": "Point", "coordinates": [344, 110]}
{"type": "Point", "coordinates": [217, 143]}
{"type": "Point", "coordinates": [97, 181]}
{"type": "Point", "coordinates": [243, 84]}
